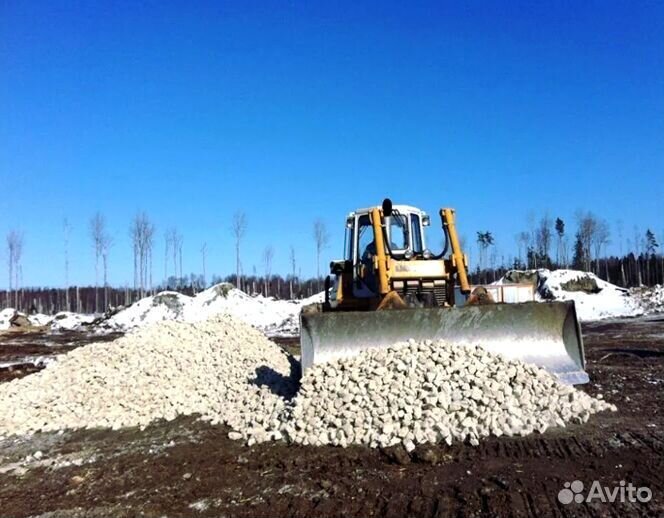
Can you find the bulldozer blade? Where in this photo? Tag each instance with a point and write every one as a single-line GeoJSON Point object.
{"type": "Point", "coordinates": [544, 333]}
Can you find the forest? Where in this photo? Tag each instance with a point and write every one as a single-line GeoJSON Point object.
{"type": "Point", "coordinates": [546, 243]}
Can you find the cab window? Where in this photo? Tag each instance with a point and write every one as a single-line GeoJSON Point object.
{"type": "Point", "coordinates": [364, 236]}
{"type": "Point", "coordinates": [398, 232]}
{"type": "Point", "coordinates": [416, 233]}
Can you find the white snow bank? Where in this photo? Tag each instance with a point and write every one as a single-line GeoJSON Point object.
{"type": "Point", "coordinates": [68, 321]}
{"type": "Point", "coordinates": [274, 317]}
{"type": "Point", "coordinates": [6, 317]}
{"type": "Point", "coordinates": [594, 298]}
{"type": "Point", "coordinates": [10, 318]}
{"type": "Point", "coordinates": [609, 301]}
{"type": "Point", "coordinates": [651, 298]}
{"type": "Point", "coordinates": [40, 319]}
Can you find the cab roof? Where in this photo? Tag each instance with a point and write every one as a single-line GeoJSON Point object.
{"type": "Point", "coordinates": [404, 209]}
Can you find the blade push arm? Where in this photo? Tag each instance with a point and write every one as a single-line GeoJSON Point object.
{"type": "Point", "coordinates": [447, 216]}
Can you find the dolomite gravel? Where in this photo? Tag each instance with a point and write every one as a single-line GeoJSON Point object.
{"type": "Point", "coordinates": [426, 392]}
{"type": "Point", "coordinates": [226, 371]}
{"type": "Point", "coordinates": [221, 368]}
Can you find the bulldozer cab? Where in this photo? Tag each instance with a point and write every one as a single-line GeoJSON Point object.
{"type": "Point", "coordinates": [404, 238]}
{"type": "Point", "coordinates": [386, 257]}
{"type": "Point", "coordinates": [403, 230]}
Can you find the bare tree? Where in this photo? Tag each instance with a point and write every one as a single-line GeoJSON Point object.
{"type": "Point", "coordinates": [142, 233]}
{"type": "Point", "coordinates": [268, 255]}
{"type": "Point", "coordinates": [543, 239]}
{"type": "Point", "coordinates": [321, 239]}
{"type": "Point", "coordinates": [530, 218]}
{"type": "Point", "coordinates": [174, 240]}
{"type": "Point", "coordinates": [601, 240]}
{"type": "Point", "coordinates": [293, 266]}
{"type": "Point", "coordinates": [180, 241]}
{"type": "Point", "coordinates": [149, 244]}
{"type": "Point", "coordinates": [97, 231]}
{"type": "Point", "coordinates": [619, 232]}
{"type": "Point", "coordinates": [561, 253]}
{"type": "Point", "coordinates": [238, 230]}
{"type": "Point", "coordinates": [106, 244]}
{"type": "Point", "coordinates": [587, 224]}
{"type": "Point", "coordinates": [167, 241]}
{"type": "Point", "coordinates": [204, 255]}
{"type": "Point", "coordinates": [101, 242]}
{"type": "Point", "coordinates": [523, 238]}
{"type": "Point", "coordinates": [14, 253]}
{"type": "Point", "coordinates": [66, 230]}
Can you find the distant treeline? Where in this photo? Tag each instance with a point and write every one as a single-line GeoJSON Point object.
{"type": "Point", "coordinates": [88, 299]}
{"type": "Point", "coordinates": [628, 271]}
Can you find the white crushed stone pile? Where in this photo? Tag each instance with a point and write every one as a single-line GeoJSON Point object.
{"type": "Point", "coordinates": [222, 369]}
{"type": "Point", "coordinates": [230, 373]}
{"type": "Point", "coordinates": [428, 392]}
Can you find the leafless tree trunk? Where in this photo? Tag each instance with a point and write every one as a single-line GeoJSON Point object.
{"type": "Point", "coordinates": [174, 240]}
{"type": "Point", "coordinates": [293, 265]}
{"type": "Point", "coordinates": [321, 239]}
{"type": "Point", "coordinates": [106, 242]}
{"type": "Point", "coordinates": [142, 232]}
{"type": "Point", "coordinates": [14, 253]}
{"type": "Point", "coordinates": [543, 237]}
{"type": "Point", "coordinates": [587, 224]}
{"type": "Point", "coordinates": [238, 230]}
{"type": "Point", "coordinates": [530, 218]}
{"type": "Point", "coordinates": [167, 241]}
{"type": "Point", "coordinates": [204, 254]}
{"type": "Point", "coordinates": [268, 255]}
{"type": "Point", "coordinates": [600, 238]}
{"type": "Point", "coordinates": [180, 255]}
{"type": "Point", "coordinates": [66, 228]}
{"type": "Point", "coordinates": [97, 231]}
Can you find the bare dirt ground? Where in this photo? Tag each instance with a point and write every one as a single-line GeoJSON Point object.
{"type": "Point", "coordinates": [189, 468]}
{"type": "Point", "coordinates": [22, 351]}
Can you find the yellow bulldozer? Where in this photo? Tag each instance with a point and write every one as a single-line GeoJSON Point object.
{"type": "Point", "coordinates": [390, 287]}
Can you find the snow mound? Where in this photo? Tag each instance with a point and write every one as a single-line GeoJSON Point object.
{"type": "Point", "coordinates": [12, 319]}
{"type": "Point", "coordinates": [6, 317]}
{"type": "Point", "coordinates": [40, 319]}
{"type": "Point", "coordinates": [594, 298]}
{"type": "Point", "coordinates": [167, 305]}
{"type": "Point", "coordinates": [651, 299]}
{"type": "Point", "coordinates": [273, 317]}
{"type": "Point", "coordinates": [68, 321]}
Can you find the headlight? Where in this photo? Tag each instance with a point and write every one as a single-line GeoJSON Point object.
{"type": "Point", "coordinates": [408, 254]}
{"type": "Point", "coordinates": [427, 254]}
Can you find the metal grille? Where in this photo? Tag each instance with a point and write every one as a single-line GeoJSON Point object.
{"type": "Point", "coordinates": [430, 296]}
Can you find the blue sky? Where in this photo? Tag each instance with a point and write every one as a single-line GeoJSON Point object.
{"type": "Point", "coordinates": [292, 111]}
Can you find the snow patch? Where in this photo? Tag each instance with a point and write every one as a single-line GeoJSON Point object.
{"type": "Point", "coordinates": [651, 299]}
{"type": "Point", "coordinates": [68, 321]}
{"type": "Point", "coordinates": [273, 317]}
{"type": "Point", "coordinates": [6, 317]}
{"type": "Point", "coordinates": [40, 319]}
{"type": "Point", "coordinates": [594, 298]}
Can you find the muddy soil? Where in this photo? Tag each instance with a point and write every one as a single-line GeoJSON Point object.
{"type": "Point", "coordinates": [23, 352]}
{"type": "Point", "coordinates": [189, 468]}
